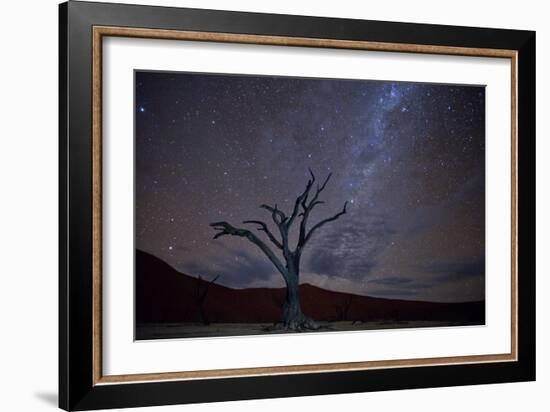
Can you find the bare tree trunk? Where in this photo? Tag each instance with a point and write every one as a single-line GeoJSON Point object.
{"type": "Point", "coordinates": [292, 310]}
{"type": "Point", "coordinates": [202, 316]}
{"type": "Point", "coordinates": [293, 317]}
{"type": "Point", "coordinates": [201, 291]}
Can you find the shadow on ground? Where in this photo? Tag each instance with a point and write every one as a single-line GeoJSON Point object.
{"type": "Point", "coordinates": [49, 398]}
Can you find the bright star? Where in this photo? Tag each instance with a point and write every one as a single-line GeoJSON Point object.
{"type": "Point", "coordinates": [141, 109]}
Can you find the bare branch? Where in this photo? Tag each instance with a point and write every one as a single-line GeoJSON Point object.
{"type": "Point", "coordinates": [208, 285]}
{"type": "Point", "coordinates": [225, 228]}
{"type": "Point", "coordinates": [280, 220]}
{"type": "Point", "coordinates": [301, 199]}
{"type": "Point", "coordinates": [317, 202]}
{"type": "Point", "coordinates": [263, 228]}
{"type": "Point", "coordinates": [325, 221]}
{"type": "Point", "coordinates": [319, 190]}
{"type": "Point", "coordinates": [310, 182]}
{"type": "Point", "coordinates": [275, 213]}
{"type": "Point", "coordinates": [202, 296]}
{"type": "Point", "coordinates": [307, 208]}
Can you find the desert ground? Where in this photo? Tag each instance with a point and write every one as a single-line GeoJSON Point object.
{"type": "Point", "coordinates": [194, 330]}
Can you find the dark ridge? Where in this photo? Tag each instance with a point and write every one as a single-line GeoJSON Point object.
{"type": "Point", "coordinates": [164, 295]}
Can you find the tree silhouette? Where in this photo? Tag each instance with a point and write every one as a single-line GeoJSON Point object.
{"type": "Point", "coordinates": [200, 293]}
{"type": "Point", "coordinates": [342, 310]}
{"type": "Point", "coordinates": [292, 317]}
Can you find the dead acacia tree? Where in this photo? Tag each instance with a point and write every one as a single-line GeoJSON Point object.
{"type": "Point", "coordinates": [289, 267]}
{"type": "Point", "coordinates": [342, 310]}
{"type": "Point", "coordinates": [201, 291]}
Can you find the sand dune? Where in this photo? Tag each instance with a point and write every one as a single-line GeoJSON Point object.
{"type": "Point", "coordinates": [164, 295]}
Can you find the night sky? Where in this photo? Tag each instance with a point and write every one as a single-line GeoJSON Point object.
{"type": "Point", "coordinates": [408, 157]}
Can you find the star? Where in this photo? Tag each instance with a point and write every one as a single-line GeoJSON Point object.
{"type": "Point", "coordinates": [409, 157]}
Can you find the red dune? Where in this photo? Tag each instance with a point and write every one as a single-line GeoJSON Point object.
{"type": "Point", "coordinates": [164, 295]}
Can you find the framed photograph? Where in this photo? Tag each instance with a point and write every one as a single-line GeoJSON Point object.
{"type": "Point", "coordinates": [257, 205]}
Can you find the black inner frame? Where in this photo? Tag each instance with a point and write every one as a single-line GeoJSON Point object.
{"type": "Point", "coordinates": [76, 388]}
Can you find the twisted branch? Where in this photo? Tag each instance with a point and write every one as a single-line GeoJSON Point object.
{"type": "Point", "coordinates": [275, 213]}
{"type": "Point", "coordinates": [284, 224]}
{"type": "Point", "coordinates": [300, 200]}
{"type": "Point", "coordinates": [308, 207]}
{"type": "Point", "coordinates": [263, 228]}
{"type": "Point", "coordinates": [225, 228]}
{"type": "Point", "coordinates": [201, 296]}
{"type": "Point", "coordinates": [325, 221]}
